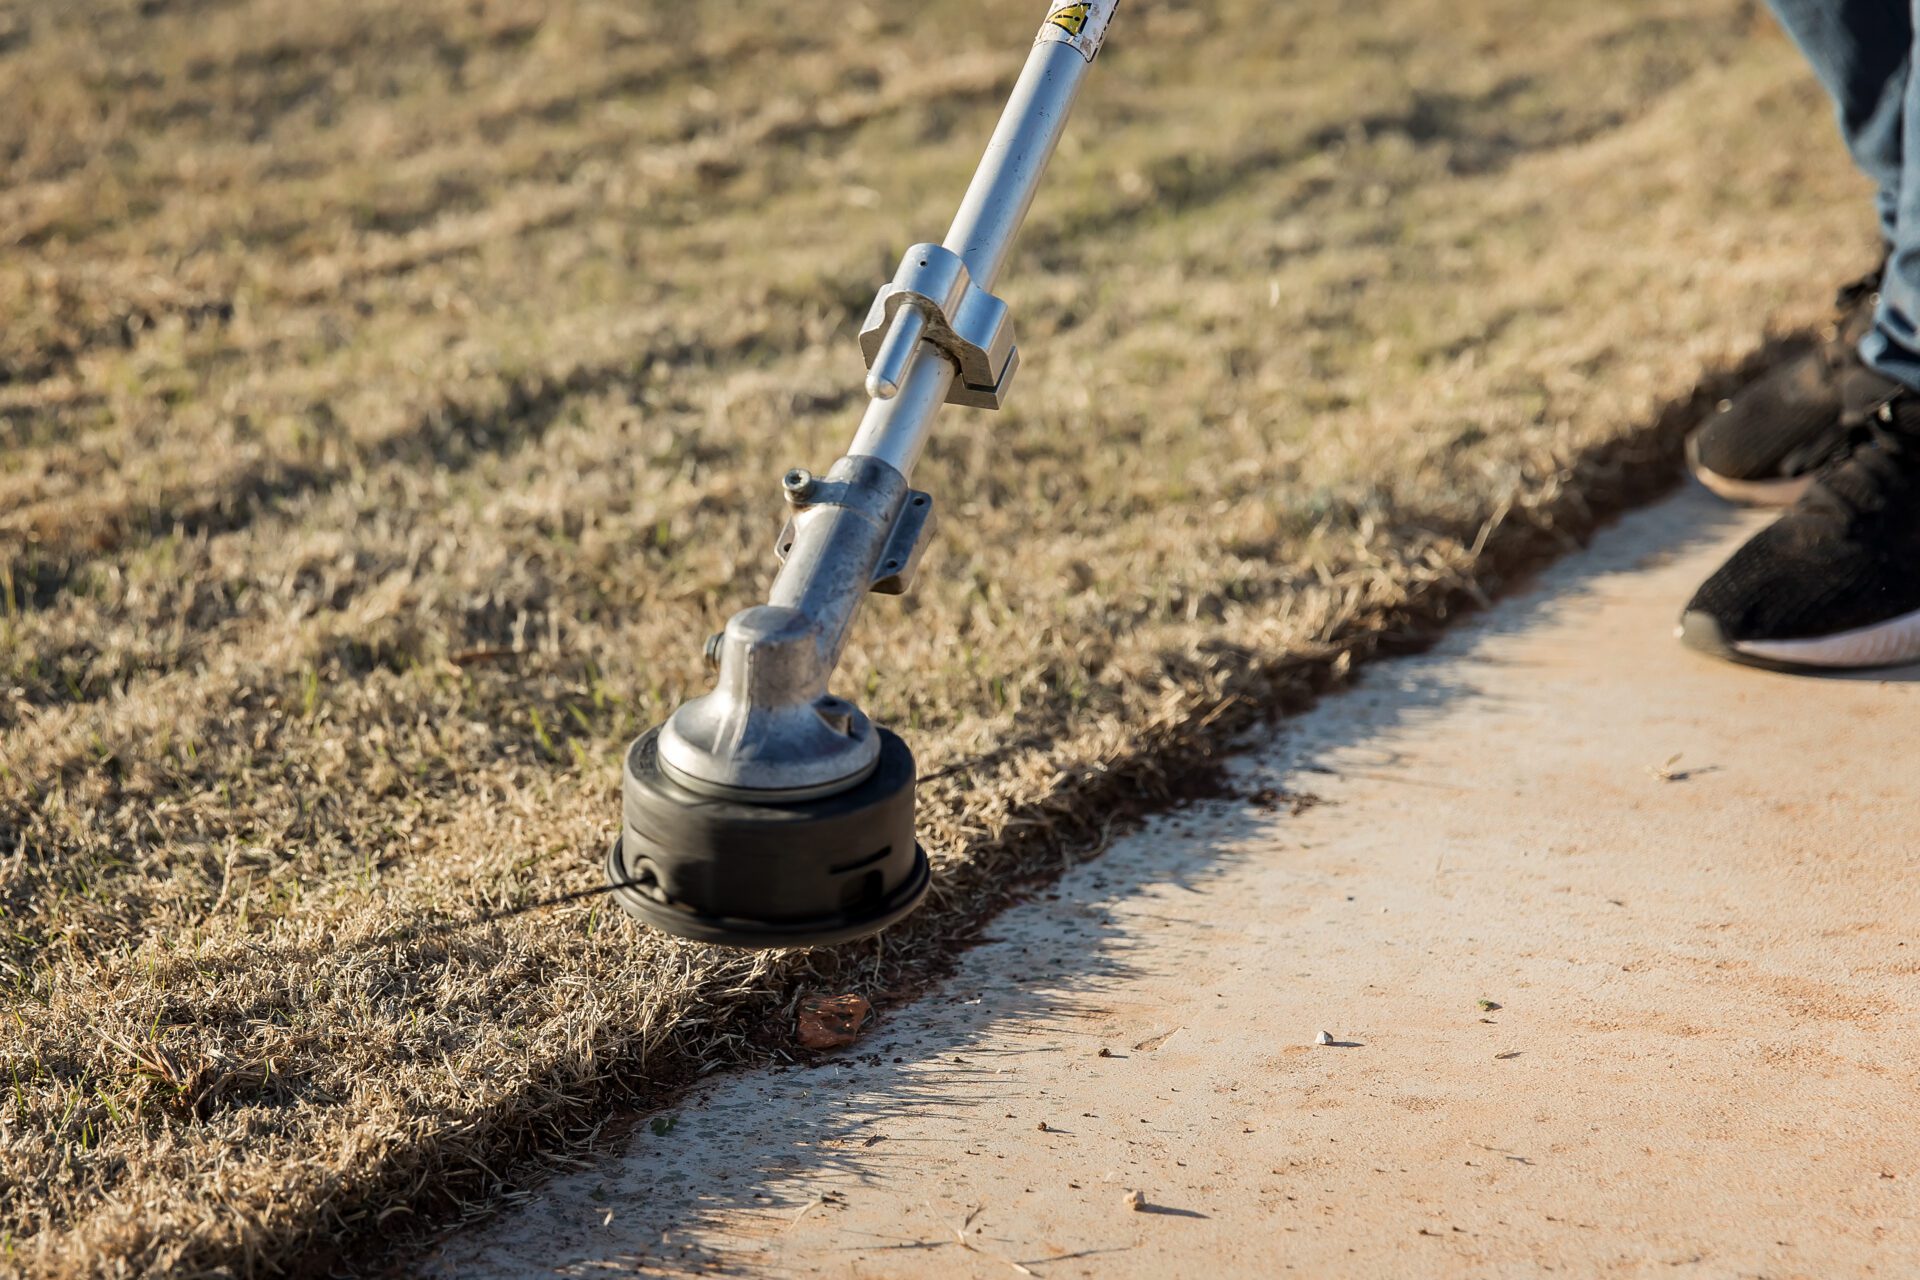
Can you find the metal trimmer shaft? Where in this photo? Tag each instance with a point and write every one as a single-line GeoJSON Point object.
{"type": "Point", "coordinates": [769, 811]}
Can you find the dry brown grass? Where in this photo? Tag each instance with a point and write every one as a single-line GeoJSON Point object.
{"type": "Point", "coordinates": [340, 340]}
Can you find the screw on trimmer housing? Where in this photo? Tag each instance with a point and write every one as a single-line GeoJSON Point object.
{"type": "Point", "coordinates": [770, 812]}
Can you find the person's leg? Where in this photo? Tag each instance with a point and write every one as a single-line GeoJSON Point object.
{"type": "Point", "coordinates": [1835, 582]}
{"type": "Point", "coordinates": [1893, 346]}
{"type": "Point", "coordinates": [1862, 51]}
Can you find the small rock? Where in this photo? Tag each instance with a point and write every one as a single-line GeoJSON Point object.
{"type": "Point", "coordinates": [832, 1022]}
{"type": "Point", "coordinates": [1324, 1037]}
{"type": "Point", "coordinates": [1136, 1201]}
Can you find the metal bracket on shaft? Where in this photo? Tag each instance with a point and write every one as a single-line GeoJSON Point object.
{"type": "Point", "coordinates": [899, 558]}
{"type": "Point", "coordinates": [932, 298]}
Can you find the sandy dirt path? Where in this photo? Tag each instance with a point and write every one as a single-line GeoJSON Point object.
{"type": "Point", "coordinates": [1620, 950]}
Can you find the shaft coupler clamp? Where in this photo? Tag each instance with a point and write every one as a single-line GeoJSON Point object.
{"type": "Point", "coordinates": [968, 325]}
{"type": "Point", "coordinates": [870, 488]}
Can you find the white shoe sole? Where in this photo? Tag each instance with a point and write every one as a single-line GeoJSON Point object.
{"type": "Point", "coordinates": [1894, 642]}
{"type": "Point", "coordinates": [1754, 493]}
{"type": "Point", "coordinates": [1884, 644]}
{"type": "Point", "coordinates": [1749, 493]}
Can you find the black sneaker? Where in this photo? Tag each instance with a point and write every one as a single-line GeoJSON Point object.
{"type": "Point", "coordinates": [1765, 444]}
{"type": "Point", "coordinates": [1835, 582]}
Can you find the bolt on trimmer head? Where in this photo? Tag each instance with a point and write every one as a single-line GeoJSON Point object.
{"type": "Point", "coordinates": [770, 813]}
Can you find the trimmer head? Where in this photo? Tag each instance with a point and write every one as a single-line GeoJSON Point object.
{"type": "Point", "coordinates": [748, 872]}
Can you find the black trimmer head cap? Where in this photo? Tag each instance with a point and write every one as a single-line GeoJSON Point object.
{"type": "Point", "coordinates": [774, 873]}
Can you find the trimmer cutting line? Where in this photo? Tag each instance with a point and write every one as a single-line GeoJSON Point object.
{"type": "Point", "coordinates": [769, 812]}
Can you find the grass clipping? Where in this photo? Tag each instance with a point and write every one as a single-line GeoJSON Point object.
{"type": "Point", "coordinates": [391, 395]}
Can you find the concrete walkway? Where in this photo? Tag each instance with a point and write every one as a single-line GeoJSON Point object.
{"type": "Point", "coordinates": [1619, 949]}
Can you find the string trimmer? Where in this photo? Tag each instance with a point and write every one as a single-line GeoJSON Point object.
{"type": "Point", "coordinates": [771, 812]}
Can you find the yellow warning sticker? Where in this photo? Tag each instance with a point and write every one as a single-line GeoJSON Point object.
{"type": "Point", "coordinates": [1082, 25]}
{"type": "Point", "coordinates": [1070, 18]}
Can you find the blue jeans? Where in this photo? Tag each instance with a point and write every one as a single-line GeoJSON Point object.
{"type": "Point", "coordinates": [1863, 52]}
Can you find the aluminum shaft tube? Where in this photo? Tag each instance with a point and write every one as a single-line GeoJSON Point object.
{"type": "Point", "coordinates": [895, 430]}
{"type": "Point", "coordinates": [1009, 175]}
